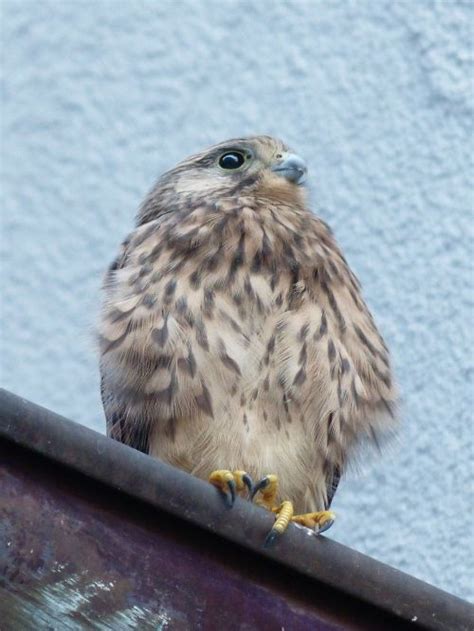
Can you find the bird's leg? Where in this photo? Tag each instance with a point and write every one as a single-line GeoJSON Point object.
{"type": "Point", "coordinates": [231, 482]}
{"type": "Point", "coordinates": [267, 490]}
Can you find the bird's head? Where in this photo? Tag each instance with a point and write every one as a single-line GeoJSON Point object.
{"type": "Point", "coordinates": [258, 166]}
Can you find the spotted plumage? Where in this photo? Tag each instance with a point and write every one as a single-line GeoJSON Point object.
{"type": "Point", "coordinates": [233, 333]}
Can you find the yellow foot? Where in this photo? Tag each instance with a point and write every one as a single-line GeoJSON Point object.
{"type": "Point", "coordinates": [231, 482]}
{"type": "Point", "coordinates": [266, 491]}
{"type": "Point", "coordinates": [319, 521]}
{"type": "Point", "coordinates": [268, 488]}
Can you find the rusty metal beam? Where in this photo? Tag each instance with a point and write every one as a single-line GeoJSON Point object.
{"type": "Point", "coordinates": [54, 446]}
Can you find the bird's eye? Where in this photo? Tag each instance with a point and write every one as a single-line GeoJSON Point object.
{"type": "Point", "coordinates": [231, 160]}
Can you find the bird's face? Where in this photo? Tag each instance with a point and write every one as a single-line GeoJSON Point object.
{"type": "Point", "coordinates": [258, 166]}
{"type": "Point", "coordinates": [242, 163]}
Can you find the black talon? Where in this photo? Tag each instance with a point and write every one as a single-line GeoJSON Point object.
{"type": "Point", "coordinates": [325, 527]}
{"type": "Point", "coordinates": [231, 496]}
{"type": "Point", "coordinates": [261, 484]}
{"type": "Point", "coordinates": [247, 480]}
{"type": "Point", "coordinates": [271, 538]}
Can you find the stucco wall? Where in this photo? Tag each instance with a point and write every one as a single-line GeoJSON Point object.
{"type": "Point", "coordinates": [100, 97]}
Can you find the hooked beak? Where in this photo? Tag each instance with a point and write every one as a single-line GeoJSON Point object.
{"type": "Point", "coordinates": [292, 167]}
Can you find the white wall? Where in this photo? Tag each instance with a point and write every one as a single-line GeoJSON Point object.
{"type": "Point", "coordinates": [100, 97]}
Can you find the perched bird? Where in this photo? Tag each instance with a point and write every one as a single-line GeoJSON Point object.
{"type": "Point", "coordinates": [234, 340]}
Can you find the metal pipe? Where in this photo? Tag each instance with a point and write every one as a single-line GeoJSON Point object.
{"type": "Point", "coordinates": [318, 558]}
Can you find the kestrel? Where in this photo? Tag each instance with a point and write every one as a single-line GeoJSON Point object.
{"type": "Point", "coordinates": [235, 343]}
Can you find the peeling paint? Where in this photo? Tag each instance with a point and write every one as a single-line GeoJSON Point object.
{"type": "Point", "coordinates": [75, 565]}
{"type": "Point", "coordinates": [82, 555]}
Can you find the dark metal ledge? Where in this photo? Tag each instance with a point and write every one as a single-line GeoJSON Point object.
{"type": "Point", "coordinates": [40, 449]}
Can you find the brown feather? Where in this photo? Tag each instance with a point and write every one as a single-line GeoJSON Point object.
{"type": "Point", "coordinates": [234, 335]}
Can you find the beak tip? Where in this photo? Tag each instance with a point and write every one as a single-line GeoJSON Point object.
{"type": "Point", "coordinates": [292, 167]}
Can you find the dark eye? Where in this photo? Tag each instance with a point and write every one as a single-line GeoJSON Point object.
{"type": "Point", "coordinates": [231, 160]}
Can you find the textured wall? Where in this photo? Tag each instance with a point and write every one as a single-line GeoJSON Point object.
{"type": "Point", "coordinates": [100, 97]}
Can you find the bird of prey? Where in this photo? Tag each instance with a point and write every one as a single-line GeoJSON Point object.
{"type": "Point", "coordinates": [234, 340]}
